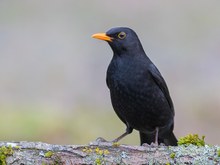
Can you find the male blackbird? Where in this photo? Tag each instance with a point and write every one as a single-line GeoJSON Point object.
{"type": "Point", "coordinates": [139, 94]}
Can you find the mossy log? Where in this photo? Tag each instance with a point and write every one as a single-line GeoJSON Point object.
{"type": "Point", "coordinates": [100, 152]}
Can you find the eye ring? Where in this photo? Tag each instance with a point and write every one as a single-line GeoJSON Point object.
{"type": "Point", "coordinates": [121, 35]}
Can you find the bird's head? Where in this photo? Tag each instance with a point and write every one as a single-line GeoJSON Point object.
{"type": "Point", "coordinates": [122, 40]}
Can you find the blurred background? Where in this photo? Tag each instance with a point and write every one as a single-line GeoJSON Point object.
{"type": "Point", "coordinates": [52, 73]}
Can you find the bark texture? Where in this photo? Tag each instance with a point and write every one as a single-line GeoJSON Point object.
{"type": "Point", "coordinates": [100, 152]}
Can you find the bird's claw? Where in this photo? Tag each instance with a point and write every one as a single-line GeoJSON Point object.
{"type": "Point", "coordinates": [152, 145]}
{"type": "Point", "coordinates": [100, 139]}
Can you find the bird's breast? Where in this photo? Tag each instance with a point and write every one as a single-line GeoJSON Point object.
{"type": "Point", "coordinates": [136, 99]}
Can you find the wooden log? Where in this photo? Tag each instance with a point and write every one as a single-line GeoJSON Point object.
{"type": "Point", "coordinates": [100, 152]}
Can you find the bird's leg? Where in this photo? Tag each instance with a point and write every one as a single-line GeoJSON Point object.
{"type": "Point", "coordinates": [120, 137]}
{"type": "Point", "coordinates": [156, 136]}
{"type": "Point", "coordinates": [128, 131]}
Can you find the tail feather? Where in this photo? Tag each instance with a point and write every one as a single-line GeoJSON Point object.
{"type": "Point", "coordinates": [169, 140]}
{"type": "Point", "coordinates": [146, 138]}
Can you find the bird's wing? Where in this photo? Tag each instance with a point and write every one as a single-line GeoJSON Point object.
{"type": "Point", "coordinates": [157, 77]}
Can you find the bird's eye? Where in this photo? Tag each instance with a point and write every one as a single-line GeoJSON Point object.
{"type": "Point", "coordinates": [121, 35]}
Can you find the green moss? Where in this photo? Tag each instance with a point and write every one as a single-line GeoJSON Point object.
{"type": "Point", "coordinates": [48, 154]}
{"type": "Point", "coordinates": [172, 155]}
{"type": "Point", "coordinates": [98, 161]}
{"type": "Point", "coordinates": [115, 144]}
{"type": "Point", "coordinates": [218, 152]}
{"type": "Point", "coordinates": [97, 153]}
{"type": "Point", "coordinates": [101, 152]}
{"type": "Point", "coordinates": [87, 150]}
{"type": "Point", "coordinates": [192, 139]}
{"type": "Point", "coordinates": [17, 147]}
{"type": "Point", "coordinates": [4, 153]}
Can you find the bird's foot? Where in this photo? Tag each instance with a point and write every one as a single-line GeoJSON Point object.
{"type": "Point", "coordinates": [121, 137]}
{"type": "Point", "coordinates": [145, 145]}
{"type": "Point", "coordinates": [152, 145]}
{"type": "Point", "coordinates": [114, 141]}
{"type": "Point", "coordinates": [100, 139]}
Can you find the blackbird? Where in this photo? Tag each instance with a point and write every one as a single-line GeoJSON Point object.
{"type": "Point", "coordinates": [139, 94]}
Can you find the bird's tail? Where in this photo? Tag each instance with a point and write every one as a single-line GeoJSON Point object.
{"type": "Point", "coordinates": [168, 140]}
{"type": "Point", "coordinates": [146, 138]}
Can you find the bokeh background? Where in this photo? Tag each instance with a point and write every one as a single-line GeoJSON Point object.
{"type": "Point", "coordinates": [52, 73]}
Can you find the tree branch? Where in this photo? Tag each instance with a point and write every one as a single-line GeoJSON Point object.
{"type": "Point", "coordinates": [100, 152]}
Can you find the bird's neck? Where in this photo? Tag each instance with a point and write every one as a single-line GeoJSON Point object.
{"type": "Point", "coordinates": [130, 51]}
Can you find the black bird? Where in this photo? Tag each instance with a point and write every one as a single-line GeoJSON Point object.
{"type": "Point", "coordinates": [139, 94]}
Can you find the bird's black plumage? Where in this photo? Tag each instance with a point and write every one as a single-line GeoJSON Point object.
{"type": "Point", "coordinates": [139, 94]}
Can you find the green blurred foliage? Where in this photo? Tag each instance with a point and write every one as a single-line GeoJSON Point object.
{"type": "Point", "coordinates": [79, 126]}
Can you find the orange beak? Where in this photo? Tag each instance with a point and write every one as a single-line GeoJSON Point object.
{"type": "Point", "coordinates": [102, 36]}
